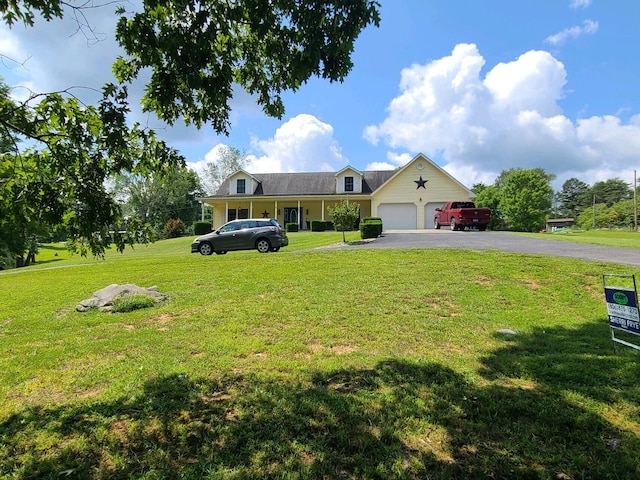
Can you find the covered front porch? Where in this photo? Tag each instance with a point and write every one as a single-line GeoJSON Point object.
{"type": "Point", "coordinates": [300, 210]}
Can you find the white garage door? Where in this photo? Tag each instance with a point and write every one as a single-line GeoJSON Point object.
{"type": "Point", "coordinates": [430, 212]}
{"type": "Point", "coordinates": [398, 216]}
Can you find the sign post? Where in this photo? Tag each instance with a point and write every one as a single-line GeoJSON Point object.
{"type": "Point", "coordinates": [622, 306]}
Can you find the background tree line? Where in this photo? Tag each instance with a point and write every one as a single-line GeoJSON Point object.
{"type": "Point", "coordinates": [523, 200]}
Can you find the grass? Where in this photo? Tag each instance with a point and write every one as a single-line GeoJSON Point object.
{"type": "Point", "coordinates": [316, 363]}
{"type": "Point", "coordinates": [609, 238]}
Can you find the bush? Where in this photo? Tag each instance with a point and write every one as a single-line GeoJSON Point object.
{"type": "Point", "coordinates": [173, 228]}
{"type": "Point", "coordinates": [370, 227]}
{"type": "Point", "coordinates": [201, 228]}
{"type": "Point", "coordinates": [291, 227]}
{"type": "Point", "coordinates": [318, 225]}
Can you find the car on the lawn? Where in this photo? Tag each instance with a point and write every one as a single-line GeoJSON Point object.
{"type": "Point", "coordinates": [262, 234]}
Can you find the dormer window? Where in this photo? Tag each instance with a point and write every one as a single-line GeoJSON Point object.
{"type": "Point", "coordinates": [348, 184]}
{"type": "Point", "coordinates": [241, 185]}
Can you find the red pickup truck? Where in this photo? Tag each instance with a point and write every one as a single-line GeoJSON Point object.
{"type": "Point", "coordinates": [462, 214]}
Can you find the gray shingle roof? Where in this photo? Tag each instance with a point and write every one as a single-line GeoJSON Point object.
{"type": "Point", "coordinates": [307, 183]}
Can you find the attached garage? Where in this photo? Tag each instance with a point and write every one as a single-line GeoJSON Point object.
{"type": "Point", "coordinates": [398, 216]}
{"type": "Point", "coordinates": [430, 212]}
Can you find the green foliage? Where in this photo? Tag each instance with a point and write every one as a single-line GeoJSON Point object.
{"type": "Point", "coordinates": [201, 228]}
{"type": "Point", "coordinates": [573, 198]}
{"type": "Point", "coordinates": [173, 228]}
{"type": "Point", "coordinates": [344, 216]}
{"type": "Point", "coordinates": [370, 227]}
{"type": "Point", "coordinates": [291, 227]}
{"type": "Point", "coordinates": [608, 192]}
{"type": "Point", "coordinates": [618, 215]}
{"type": "Point", "coordinates": [524, 198]}
{"type": "Point", "coordinates": [158, 197]}
{"type": "Point", "coordinates": [318, 225]}
{"type": "Point", "coordinates": [228, 161]}
{"type": "Point", "coordinates": [25, 11]}
{"type": "Point", "coordinates": [490, 197]}
{"type": "Point", "coordinates": [197, 52]}
{"type": "Point", "coordinates": [131, 302]}
{"type": "Point", "coordinates": [60, 178]}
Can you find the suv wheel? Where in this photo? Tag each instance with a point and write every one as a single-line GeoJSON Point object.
{"type": "Point", "coordinates": [263, 245]}
{"type": "Point", "coordinates": [205, 249]}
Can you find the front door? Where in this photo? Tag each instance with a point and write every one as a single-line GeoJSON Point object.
{"type": "Point", "coordinates": [291, 216]}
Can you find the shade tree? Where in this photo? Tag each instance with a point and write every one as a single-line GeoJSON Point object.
{"type": "Point", "coordinates": [197, 53]}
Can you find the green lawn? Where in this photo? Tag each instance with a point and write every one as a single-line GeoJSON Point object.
{"type": "Point", "coordinates": [316, 363]}
{"type": "Point", "coordinates": [610, 238]}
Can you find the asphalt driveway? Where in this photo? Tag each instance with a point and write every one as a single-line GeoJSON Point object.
{"type": "Point", "coordinates": [501, 241]}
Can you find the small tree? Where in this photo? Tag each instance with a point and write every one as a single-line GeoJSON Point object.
{"type": "Point", "coordinates": [344, 216]}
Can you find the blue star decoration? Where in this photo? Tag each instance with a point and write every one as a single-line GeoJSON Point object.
{"type": "Point", "coordinates": [421, 183]}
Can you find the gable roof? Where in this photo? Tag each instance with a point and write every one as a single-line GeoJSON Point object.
{"type": "Point", "coordinates": [424, 158]}
{"type": "Point", "coordinates": [347, 168]}
{"type": "Point", "coordinates": [306, 183]}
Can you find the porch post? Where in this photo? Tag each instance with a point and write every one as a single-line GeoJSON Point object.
{"type": "Point", "coordinates": [275, 211]}
{"type": "Point", "coordinates": [299, 216]}
{"type": "Point", "coordinates": [251, 209]}
{"type": "Point", "coordinates": [322, 210]}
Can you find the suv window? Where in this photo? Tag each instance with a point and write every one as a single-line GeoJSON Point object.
{"type": "Point", "coordinates": [230, 227]}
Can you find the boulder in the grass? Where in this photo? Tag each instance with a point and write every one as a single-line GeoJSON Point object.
{"type": "Point", "coordinates": [103, 299]}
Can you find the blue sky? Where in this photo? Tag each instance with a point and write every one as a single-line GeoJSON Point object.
{"type": "Point", "coordinates": [479, 86]}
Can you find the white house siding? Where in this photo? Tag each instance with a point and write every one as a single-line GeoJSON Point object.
{"type": "Point", "coordinates": [398, 216]}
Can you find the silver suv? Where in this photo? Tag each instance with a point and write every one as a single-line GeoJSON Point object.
{"type": "Point", "coordinates": [263, 234]}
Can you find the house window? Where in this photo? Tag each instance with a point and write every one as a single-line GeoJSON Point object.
{"type": "Point", "coordinates": [348, 184]}
{"type": "Point", "coordinates": [241, 186]}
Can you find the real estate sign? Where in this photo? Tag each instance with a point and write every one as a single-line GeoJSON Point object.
{"type": "Point", "coordinates": [622, 307]}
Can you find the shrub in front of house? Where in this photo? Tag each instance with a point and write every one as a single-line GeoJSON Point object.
{"type": "Point", "coordinates": [291, 227]}
{"type": "Point", "coordinates": [173, 228]}
{"type": "Point", "coordinates": [370, 227]}
{"type": "Point", "coordinates": [201, 228]}
{"type": "Point", "coordinates": [318, 225]}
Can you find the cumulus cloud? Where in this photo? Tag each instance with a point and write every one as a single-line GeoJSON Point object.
{"type": "Point", "coordinates": [589, 27]}
{"type": "Point", "coordinates": [394, 160]}
{"type": "Point", "coordinates": [510, 118]}
{"type": "Point", "coordinates": [303, 143]}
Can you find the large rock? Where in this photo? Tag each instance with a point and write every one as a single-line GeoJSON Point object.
{"type": "Point", "coordinates": [103, 299]}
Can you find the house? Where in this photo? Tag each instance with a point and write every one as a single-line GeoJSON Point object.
{"type": "Point", "coordinates": [405, 198]}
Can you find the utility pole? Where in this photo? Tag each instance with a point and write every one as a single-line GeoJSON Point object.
{"type": "Point", "coordinates": [594, 211]}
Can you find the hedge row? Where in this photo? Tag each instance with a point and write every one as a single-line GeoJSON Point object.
{"type": "Point", "coordinates": [370, 227]}
{"type": "Point", "coordinates": [201, 228]}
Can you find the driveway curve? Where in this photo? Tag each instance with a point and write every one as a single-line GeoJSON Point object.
{"type": "Point", "coordinates": [507, 242]}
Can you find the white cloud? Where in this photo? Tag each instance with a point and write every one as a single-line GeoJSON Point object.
{"type": "Point", "coordinates": [580, 3]}
{"type": "Point", "coordinates": [479, 127]}
{"type": "Point", "coordinates": [589, 27]}
{"type": "Point", "coordinates": [303, 143]}
{"type": "Point", "coordinates": [395, 160]}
